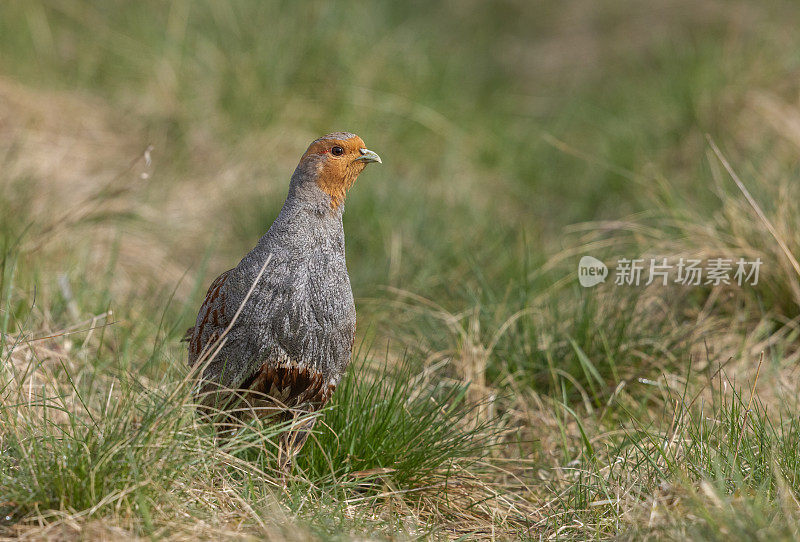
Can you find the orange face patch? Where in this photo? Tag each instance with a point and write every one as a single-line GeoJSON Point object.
{"type": "Point", "coordinates": [340, 165]}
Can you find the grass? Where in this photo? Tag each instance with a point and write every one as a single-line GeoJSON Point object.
{"type": "Point", "coordinates": [492, 397]}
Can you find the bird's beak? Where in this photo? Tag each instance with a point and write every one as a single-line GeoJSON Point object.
{"type": "Point", "coordinates": [368, 156]}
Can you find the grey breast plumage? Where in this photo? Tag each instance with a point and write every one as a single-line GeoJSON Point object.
{"type": "Point", "coordinates": [300, 316]}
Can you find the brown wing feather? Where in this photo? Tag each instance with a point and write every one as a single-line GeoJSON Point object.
{"type": "Point", "coordinates": [210, 320]}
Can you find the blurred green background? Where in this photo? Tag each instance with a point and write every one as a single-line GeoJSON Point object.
{"type": "Point", "coordinates": [502, 125]}
{"type": "Point", "coordinates": [467, 102]}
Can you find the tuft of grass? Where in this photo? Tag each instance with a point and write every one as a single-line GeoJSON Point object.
{"type": "Point", "coordinates": [393, 424]}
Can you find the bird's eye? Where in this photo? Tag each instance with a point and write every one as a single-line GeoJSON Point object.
{"type": "Point", "coordinates": [337, 151]}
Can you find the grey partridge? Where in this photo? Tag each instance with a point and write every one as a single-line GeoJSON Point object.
{"type": "Point", "coordinates": [275, 333]}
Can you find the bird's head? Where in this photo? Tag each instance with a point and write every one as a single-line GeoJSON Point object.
{"type": "Point", "coordinates": [333, 162]}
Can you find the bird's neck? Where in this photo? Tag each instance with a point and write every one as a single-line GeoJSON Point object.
{"type": "Point", "coordinates": [303, 226]}
{"type": "Point", "coordinates": [307, 223]}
